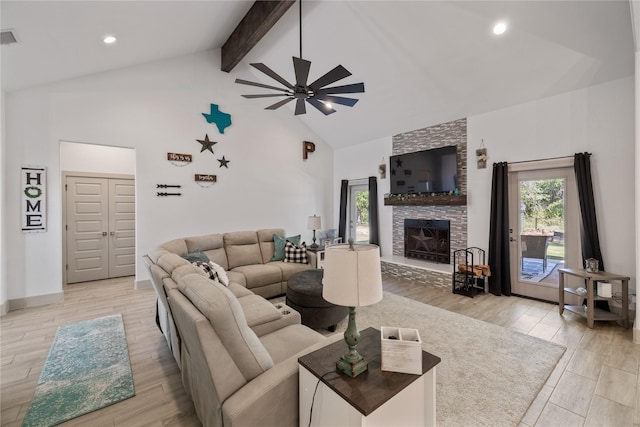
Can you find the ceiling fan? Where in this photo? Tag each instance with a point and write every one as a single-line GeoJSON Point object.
{"type": "Point", "coordinates": [315, 93]}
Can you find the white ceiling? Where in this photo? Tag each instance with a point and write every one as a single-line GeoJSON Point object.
{"type": "Point", "coordinates": [422, 62]}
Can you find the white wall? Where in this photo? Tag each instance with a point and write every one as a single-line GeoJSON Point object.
{"type": "Point", "coordinates": [3, 202]}
{"type": "Point", "coordinates": [636, 325]}
{"type": "Point", "coordinates": [155, 109]}
{"type": "Point", "coordinates": [598, 119]}
{"type": "Point", "coordinates": [85, 157]}
{"type": "Point", "coordinates": [358, 162]}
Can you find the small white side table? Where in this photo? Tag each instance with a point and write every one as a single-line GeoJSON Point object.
{"type": "Point", "coordinates": [374, 398]}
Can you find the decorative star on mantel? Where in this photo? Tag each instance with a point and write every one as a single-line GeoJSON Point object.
{"type": "Point", "coordinates": [206, 143]}
{"type": "Point", "coordinates": [224, 162]}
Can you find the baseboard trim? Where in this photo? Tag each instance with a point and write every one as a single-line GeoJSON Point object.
{"type": "Point", "coordinates": [142, 284]}
{"type": "Point", "coordinates": [4, 308]}
{"type": "Point", "coordinates": [37, 301]}
{"type": "Point", "coordinates": [636, 335]}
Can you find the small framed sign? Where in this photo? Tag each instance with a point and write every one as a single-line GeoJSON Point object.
{"type": "Point", "coordinates": [178, 159]}
{"type": "Point", "coordinates": [204, 180]}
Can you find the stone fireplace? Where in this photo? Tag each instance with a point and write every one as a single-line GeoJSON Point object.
{"type": "Point", "coordinates": [427, 239]}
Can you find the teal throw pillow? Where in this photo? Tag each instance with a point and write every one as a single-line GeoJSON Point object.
{"type": "Point", "coordinates": [196, 256]}
{"type": "Point", "coordinates": [279, 242]}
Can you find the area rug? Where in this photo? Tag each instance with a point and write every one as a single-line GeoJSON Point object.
{"type": "Point", "coordinates": [88, 368]}
{"type": "Point", "coordinates": [532, 269]}
{"type": "Point", "coordinates": [489, 375]}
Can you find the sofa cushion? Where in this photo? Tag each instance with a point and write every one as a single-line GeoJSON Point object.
{"type": "Point", "coordinates": [177, 246]}
{"type": "Point", "coordinates": [208, 269]}
{"type": "Point", "coordinates": [212, 245]}
{"type": "Point", "coordinates": [266, 240]}
{"type": "Point", "coordinates": [258, 275]}
{"type": "Point", "coordinates": [186, 269]}
{"type": "Point", "coordinates": [294, 253]}
{"type": "Point", "coordinates": [284, 343]}
{"type": "Point", "coordinates": [289, 268]}
{"type": "Point", "coordinates": [258, 310]}
{"type": "Point", "coordinates": [196, 256]}
{"type": "Point", "coordinates": [242, 248]}
{"type": "Point", "coordinates": [170, 261]}
{"type": "Point", "coordinates": [237, 277]}
{"type": "Point", "coordinates": [279, 244]}
{"type": "Point", "coordinates": [227, 318]}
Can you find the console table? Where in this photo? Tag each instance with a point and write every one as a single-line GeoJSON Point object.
{"type": "Point", "coordinates": [592, 313]}
{"type": "Point", "coordinates": [373, 398]}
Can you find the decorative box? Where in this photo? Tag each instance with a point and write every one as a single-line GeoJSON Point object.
{"type": "Point", "coordinates": [604, 289]}
{"type": "Point", "coordinates": [401, 350]}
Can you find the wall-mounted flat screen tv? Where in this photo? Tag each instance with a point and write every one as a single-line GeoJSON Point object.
{"type": "Point", "coordinates": [428, 171]}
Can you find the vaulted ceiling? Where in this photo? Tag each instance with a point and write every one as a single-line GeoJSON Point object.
{"type": "Point", "coordinates": [423, 62]}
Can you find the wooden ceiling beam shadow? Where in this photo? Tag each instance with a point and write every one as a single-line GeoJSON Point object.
{"type": "Point", "coordinates": [256, 23]}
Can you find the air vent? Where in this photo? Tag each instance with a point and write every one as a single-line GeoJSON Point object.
{"type": "Point", "coordinates": [7, 37]}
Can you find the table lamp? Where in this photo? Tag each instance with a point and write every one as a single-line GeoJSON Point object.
{"type": "Point", "coordinates": [352, 278]}
{"type": "Point", "coordinates": [313, 223]}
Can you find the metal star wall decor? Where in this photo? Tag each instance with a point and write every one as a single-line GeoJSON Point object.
{"type": "Point", "coordinates": [206, 143]}
{"type": "Point", "coordinates": [224, 162]}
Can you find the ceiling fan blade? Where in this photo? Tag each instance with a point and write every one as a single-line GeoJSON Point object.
{"type": "Point", "coordinates": [334, 75]}
{"type": "Point", "coordinates": [247, 82]}
{"type": "Point", "coordinates": [265, 95]}
{"type": "Point", "coordinates": [300, 107]}
{"type": "Point", "coordinates": [301, 67]}
{"type": "Point", "coordinates": [349, 102]}
{"type": "Point", "coordinates": [269, 72]}
{"type": "Point", "coordinates": [279, 104]}
{"type": "Point", "coordinates": [352, 88]}
{"type": "Point", "coordinates": [321, 106]}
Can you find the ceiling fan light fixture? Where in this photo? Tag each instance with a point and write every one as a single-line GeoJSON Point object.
{"type": "Point", "coordinates": [316, 93]}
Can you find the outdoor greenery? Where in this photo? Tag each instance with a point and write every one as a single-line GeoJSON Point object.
{"type": "Point", "coordinates": [362, 205]}
{"type": "Point", "coordinates": [542, 204]}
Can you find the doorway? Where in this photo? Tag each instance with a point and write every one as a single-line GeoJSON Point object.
{"type": "Point", "coordinates": [359, 213]}
{"type": "Point", "coordinates": [544, 226]}
{"type": "Point", "coordinates": [99, 227]}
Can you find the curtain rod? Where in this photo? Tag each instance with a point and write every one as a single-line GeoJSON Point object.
{"type": "Point", "coordinates": [542, 160]}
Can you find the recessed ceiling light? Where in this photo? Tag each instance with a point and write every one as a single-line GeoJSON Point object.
{"type": "Point", "coordinates": [499, 28]}
{"type": "Point", "coordinates": [109, 40]}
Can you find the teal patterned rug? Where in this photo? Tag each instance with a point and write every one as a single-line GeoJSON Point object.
{"type": "Point", "coordinates": [87, 369]}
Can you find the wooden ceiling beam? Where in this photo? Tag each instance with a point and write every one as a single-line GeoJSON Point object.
{"type": "Point", "coordinates": [256, 23]}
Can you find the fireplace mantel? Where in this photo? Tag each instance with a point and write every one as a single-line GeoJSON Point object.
{"type": "Point", "coordinates": [420, 200]}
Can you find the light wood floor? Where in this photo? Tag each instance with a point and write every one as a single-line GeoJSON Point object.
{"type": "Point", "coordinates": [595, 383]}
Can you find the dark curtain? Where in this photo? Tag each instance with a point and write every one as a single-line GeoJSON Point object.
{"type": "Point", "coordinates": [374, 227]}
{"type": "Point", "coordinates": [499, 263]}
{"type": "Point", "coordinates": [588, 223]}
{"type": "Point", "coordinates": [344, 194]}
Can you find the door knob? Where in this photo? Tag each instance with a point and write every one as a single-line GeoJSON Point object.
{"type": "Point", "coordinates": [104, 233]}
{"type": "Point", "coordinates": [113, 233]}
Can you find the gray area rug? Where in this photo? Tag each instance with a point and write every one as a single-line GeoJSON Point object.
{"type": "Point", "coordinates": [88, 368]}
{"type": "Point", "coordinates": [489, 375]}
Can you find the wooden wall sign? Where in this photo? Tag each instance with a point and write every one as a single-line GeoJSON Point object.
{"type": "Point", "coordinates": [205, 180]}
{"type": "Point", "coordinates": [307, 147]}
{"type": "Point", "coordinates": [34, 199]}
{"type": "Point", "coordinates": [178, 159]}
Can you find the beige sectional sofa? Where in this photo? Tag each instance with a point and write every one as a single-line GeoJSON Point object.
{"type": "Point", "coordinates": [237, 351]}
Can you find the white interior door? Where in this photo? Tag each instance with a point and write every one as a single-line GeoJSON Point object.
{"type": "Point", "coordinates": [87, 229]}
{"type": "Point", "coordinates": [122, 227]}
{"type": "Point", "coordinates": [100, 215]}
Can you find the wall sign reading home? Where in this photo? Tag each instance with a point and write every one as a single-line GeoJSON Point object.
{"type": "Point", "coordinates": [34, 204]}
{"type": "Point", "coordinates": [205, 180]}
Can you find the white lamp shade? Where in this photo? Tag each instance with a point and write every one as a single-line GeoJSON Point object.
{"type": "Point", "coordinates": [352, 278]}
{"type": "Point", "coordinates": [313, 223]}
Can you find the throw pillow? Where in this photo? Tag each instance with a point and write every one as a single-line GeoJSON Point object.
{"type": "Point", "coordinates": [293, 253]}
{"type": "Point", "coordinates": [279, 242]}
{"type": "Point", "coordinates": [196, 256]}
{"type": "Point", "coordinates": [208, 269]}
{"type": "Point", "coordinates": [222, 275]}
